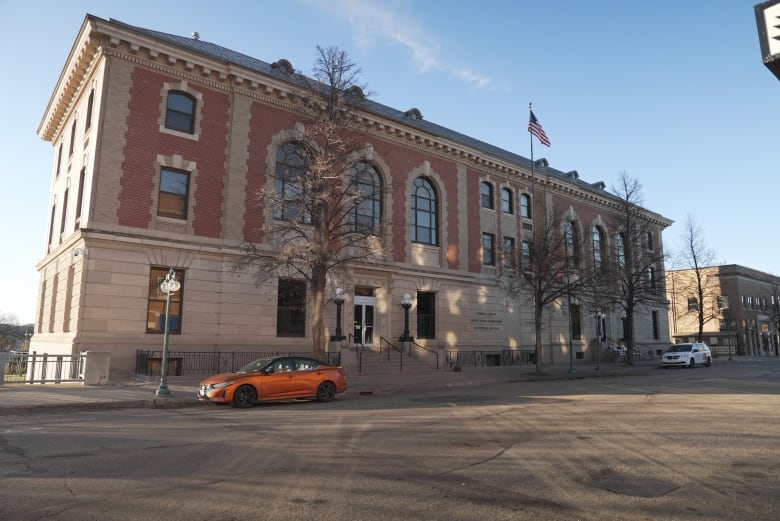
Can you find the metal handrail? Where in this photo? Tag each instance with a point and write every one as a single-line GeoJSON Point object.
{"type": "Point", "coordinates": [637, 345]}
{"type": "Point", "coordinates": [360, 348]}
{"type": "Point", "coordinates": [435, 353]}
{"type": "Point", "coordinates": [393, 347]}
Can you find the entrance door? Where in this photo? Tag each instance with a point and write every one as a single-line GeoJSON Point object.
{"type": "Point", "coordinates": [364, 320]}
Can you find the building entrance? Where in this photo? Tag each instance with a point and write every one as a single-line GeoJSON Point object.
{"type": "Point", "coordinates": [364, 320]}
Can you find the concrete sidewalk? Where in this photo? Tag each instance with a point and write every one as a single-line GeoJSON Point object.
{"type": "Point", "coordinates": [19, 398]}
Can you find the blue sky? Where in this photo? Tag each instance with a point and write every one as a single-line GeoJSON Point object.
{"type": "Point", "coordinates": [672, 93]}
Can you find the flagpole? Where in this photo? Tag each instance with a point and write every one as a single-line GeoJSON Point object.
{"type": "Point", "coordinates": [533, 184]}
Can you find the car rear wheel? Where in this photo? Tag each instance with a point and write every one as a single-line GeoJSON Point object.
{"type": "Point", "coordinates": [709, 362]}
{"type": "Point", "coordinates": [245, 396]}
{"type": "Point", "coordinates": [326, 392]}
{"type": "Point", "coordinates": [692, 363]}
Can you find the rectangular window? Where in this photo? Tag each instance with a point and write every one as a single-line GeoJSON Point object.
{"type": "Point", "coordinates": [80, 199]}
{"type": "Point", "coordinates": [72, 138]}
{"type": "Point", "coordinates": [488, 249]}
{"type": "Point", "coordinates": [576, 322]}
{"type": "Point", "coordinates": [51, 225]}
{"type": "Point", "coordinates": [155, 317]}
{"type": "Point", "coordinates": [426, 314]}
{"type": "Point", "coordinates": [525, 253]}
{"type": "Point", "coordinates": [693, 304]}
{"type": "Point", "coordinates": [509, 252]}
{"type": "Point", "coordinates": [655, 325]}
{"type": "Point", "coordinates": [90, 102]}
{"type": "Point", "coordinates": [64, 213]}
{"type": "Point", "coordinates": [291, 308]}
{"type": "Point", "coordinates": [59, 160]}
{"type": "Point", "coordinates": [174, 190]}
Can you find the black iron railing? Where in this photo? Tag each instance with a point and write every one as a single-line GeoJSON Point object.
{"type": "Point", "coordinates": [490, 358]}
{"type": "Point", "coordinates": [33, 367]}
{"type": "Point", "coordinates": [197, 363]}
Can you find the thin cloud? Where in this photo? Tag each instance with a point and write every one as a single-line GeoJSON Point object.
{"type": "Point", "coordinates": [375, 21]}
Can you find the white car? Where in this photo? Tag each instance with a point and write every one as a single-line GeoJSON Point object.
{"type": "Point", "coordinates": [687, 355]}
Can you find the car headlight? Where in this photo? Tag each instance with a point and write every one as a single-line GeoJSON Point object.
{"type": "Point", "coordinates": [222, 385]}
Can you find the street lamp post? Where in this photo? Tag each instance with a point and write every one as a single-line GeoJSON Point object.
{"type": "Point", "coordinates": [168, 286]}
{"type": "Point", "coordinates": [338, 299]}
{"type": "Point", "coordinates": [571, 343]}
{"type": "Point", "coordinates": [406, 303]}
{"type": "Point", "coordinates": [599, 317]}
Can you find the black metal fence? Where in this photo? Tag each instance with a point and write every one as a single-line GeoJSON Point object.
{"type": "Point", "coordinates": [490, 358]}
{"type": "Point", "coordinates": [198, 363]}
{"type": "Point", "coordinates": [33, 367]}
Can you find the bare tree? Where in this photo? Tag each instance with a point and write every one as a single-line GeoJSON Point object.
{"type": "Point", "coordinates": [323, 201]}
{"type": "Point", "coordinates": [697, 257]}
{"type": "Point", "coordinates": [548, 271]}
{"type": "Point", "coordinates": [637, 274]}
{"type": "Point", "coordinates": [9, 329]}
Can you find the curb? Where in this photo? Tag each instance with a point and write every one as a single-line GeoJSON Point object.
{"type": "Point", "coordinates": [98, 406]}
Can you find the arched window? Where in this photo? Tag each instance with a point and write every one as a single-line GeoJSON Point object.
{"type": "Point", "coordinates": [180, 112]}
{"type": "Point", "coordinates": [507, 205]}
{"type": "Point", "coordinates": [292, 162]}
{"type": "Point", "coordinates": [621, 250]}
{"type": "Point", "coordinates": [366, 188]}
{"type": "Point", "coordinates": [572, 243]}
{"type": "Point", "coordinates": [486, 192]}
{"type": "Point", "coordinates": [650, 245]}
{"type": "Point", "coordinates": [598, 244]}
{"type": "Point", "coordinates": [424, 213]}
{"type": "Point", "coordinates": [525, 206]}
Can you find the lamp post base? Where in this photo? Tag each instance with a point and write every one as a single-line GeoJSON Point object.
{"type": "Point", "coordinates": [162, 392]}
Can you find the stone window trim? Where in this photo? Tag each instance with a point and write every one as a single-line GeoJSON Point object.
{"type": "Point", "coordinates": [184, 88]}
{"type": "Point", "coordinates": [175, 162]}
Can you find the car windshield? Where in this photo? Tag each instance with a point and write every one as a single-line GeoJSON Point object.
{"type": "Point", "coordinates": [257, 365]}
{"type": "Point", "coordinates": [679, 349]}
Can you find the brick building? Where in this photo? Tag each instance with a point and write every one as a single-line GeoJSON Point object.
{"type": "Point", "coordinates": [161, 144]}
{"type": "Point", "coordinates": [741, 309]}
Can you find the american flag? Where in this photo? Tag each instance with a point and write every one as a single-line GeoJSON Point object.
{"type": "Point", "coordinates": [535, 128]}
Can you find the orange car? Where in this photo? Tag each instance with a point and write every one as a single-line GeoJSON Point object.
{"type": "Point", "coordinates": [278, 378]}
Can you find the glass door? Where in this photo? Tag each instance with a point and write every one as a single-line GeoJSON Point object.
{"type": "Point", "coordinates": [364, 320]}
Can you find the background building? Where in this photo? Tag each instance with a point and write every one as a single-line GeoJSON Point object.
{"type": "Point", "coordinates": [161, 145]}
{"type": "Point", "coordinates": [740, 309]}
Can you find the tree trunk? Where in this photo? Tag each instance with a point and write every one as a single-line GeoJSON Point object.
{"type": "Point", "coordinates": [538, 331]}
{"type": "Point", "coordinates": [319, 341]}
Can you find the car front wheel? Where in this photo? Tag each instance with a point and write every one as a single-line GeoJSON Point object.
{"type": "Point", "coordinates": [326, 392]}
{"type": "Point", "coordinates": [692, 363]}
{"type": "Point", "coordinates": [245, 396]}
